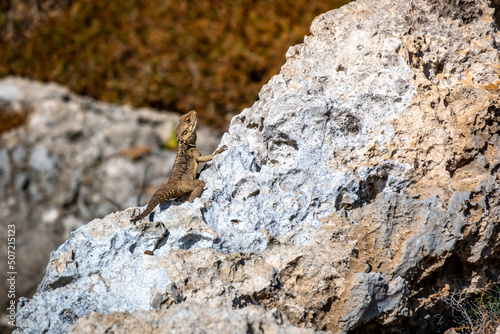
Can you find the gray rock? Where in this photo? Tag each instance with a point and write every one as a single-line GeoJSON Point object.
{"type": "Point", "coordinates": [374, 297]}
{"type": "Point", "coordinates": [10, 92]}
{"type": "Point", "coordinates": [282, 150]}
{"type": "Point", "coordinates": [74, 160]}
{"type": "Point", "coordinates": [4, 169]}
{"type": "Point", "coordinates": [192, 317]}
{"type": "Point", "coordinates": [122, 294]}
{"type": "Point", "coordinates": [354, 195]}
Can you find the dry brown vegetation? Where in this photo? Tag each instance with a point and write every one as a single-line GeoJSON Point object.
{"type": "Point", "coordinates": [480, 314]}
{"type": "Point", "coordinates": [10, 118]}
{"type": "Point", "coordinates": [212, 56]}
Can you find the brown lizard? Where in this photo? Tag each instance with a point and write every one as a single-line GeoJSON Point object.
{"type": "Point", "coordinates": [183, 178]}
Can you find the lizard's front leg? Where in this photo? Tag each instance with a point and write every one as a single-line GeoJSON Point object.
{"type": "Point", "coordinates": [222, 148]}
{"type": "Point", "coordinates": [205, 158]}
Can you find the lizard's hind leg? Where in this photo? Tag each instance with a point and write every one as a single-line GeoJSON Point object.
{"type": "Point", "coordinates": [198, 189]}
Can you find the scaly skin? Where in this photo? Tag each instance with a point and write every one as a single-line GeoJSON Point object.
{"type": "Point", "coordinates": [183, 178]}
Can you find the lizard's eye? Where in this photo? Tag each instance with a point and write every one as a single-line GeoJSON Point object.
{"type": "Point", "coordinates": [185, 133]}
{"type": "Point", "coordinates": [188, 120]}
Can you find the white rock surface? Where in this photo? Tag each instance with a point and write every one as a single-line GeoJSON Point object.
{"type": "Point", "coordinates": [76, 159]}
{"type": "Point", "coordinates": [354, 195]}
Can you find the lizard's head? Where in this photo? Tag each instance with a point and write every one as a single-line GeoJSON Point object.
{"type": "Point", "coordinates": [186, 130]}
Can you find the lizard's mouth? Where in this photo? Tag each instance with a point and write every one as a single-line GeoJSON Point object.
{"type": "Point", "coordinates": [194, 123]}
{"type": "Point", "coordinates": [194, 119]}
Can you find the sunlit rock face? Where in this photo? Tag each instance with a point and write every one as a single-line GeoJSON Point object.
{"type": "Point", "coordinates": [356, 193]}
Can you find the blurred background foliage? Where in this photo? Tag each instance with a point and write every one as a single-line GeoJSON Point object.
{"type": "Point", "coordinates": [177, 55]}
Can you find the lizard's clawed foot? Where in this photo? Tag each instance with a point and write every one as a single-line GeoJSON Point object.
{"type": "Point", "coordinates": [224, 147]}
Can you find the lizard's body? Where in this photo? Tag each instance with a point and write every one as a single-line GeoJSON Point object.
{"type": "Point", "coordinates": [183, 178]}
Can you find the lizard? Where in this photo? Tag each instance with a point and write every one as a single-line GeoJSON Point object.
{"type": "Point", "coordinates": [182, 180]}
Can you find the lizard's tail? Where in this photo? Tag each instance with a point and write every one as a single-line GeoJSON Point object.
{"type": "Point", "coordinates": [161, 195]}
{"type": "Point", "coordinates": [149, 209]}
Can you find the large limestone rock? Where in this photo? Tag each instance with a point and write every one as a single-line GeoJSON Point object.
{"type": "Point", "coordinates": [75, 159]}
{"type": "Point", "coordinates": [356, 193]}
{"type": "Point", "coordinates": [190, 317]}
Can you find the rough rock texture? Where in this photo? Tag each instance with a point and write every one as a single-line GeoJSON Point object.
{"type": "Point", "coordinates": [190, 317]}
{"type": "Point", "coordinates": [355, 194]}
{"type": "Point", "coordinates": [74, 160]}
